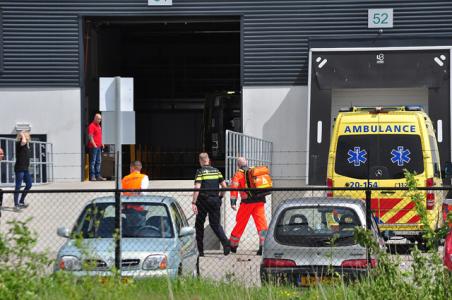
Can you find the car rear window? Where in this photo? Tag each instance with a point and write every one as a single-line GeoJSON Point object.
{"type": "Point", "coordinates": [378, 156]}
{"type": "Point", "coordinates": [139, 220]}
{"type": "Point", "coordinates": [319, 226]}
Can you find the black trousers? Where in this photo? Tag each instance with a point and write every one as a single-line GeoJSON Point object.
{"type": "Point", "coordinates": [209, 207]}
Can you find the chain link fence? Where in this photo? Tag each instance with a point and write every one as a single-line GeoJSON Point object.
{"type": "Point", "coordinates": [309, 232]}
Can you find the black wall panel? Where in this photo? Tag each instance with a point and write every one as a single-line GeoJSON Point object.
{"type": "Point", "coordinates": [41, 38]}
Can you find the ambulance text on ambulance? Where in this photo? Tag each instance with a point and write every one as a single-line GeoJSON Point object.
{"type": "Point", "coordinates": [380, 129]}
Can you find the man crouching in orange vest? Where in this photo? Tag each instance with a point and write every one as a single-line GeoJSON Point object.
{"type": "Point", "coordinates": [249, 206]}
{"type": "Point", "coordinates": [135, 180]}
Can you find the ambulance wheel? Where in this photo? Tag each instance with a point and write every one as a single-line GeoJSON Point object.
{"type": "Point", "coordinates": [422, 245]}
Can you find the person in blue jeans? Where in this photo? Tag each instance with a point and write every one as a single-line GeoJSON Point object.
{"type": "Point", "coordinates": [21, 169]}
{"type": "Point", "coordinates": [95, 155]}
{"type": "Point", "coordinates": [95, 148]}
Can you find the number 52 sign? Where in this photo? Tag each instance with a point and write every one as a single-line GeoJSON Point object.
{"type": "Point", "coordinates": [380, 18]}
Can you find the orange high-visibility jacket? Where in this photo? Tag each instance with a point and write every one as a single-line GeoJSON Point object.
{"type": "Point", "coordinates": [239, 182]}
{"type": "Point", "coordinates": [134, 181]}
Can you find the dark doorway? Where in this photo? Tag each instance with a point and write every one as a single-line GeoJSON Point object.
{"type": "Point", "coordinates": [177, 65]}
{"type": "Point", "coordinates": [419, 69]}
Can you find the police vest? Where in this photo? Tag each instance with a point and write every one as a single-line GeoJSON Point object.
{"type": "Point", "coordinates": [132, 182]}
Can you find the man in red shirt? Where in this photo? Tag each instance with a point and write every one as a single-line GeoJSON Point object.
{"type": "Point", "coordinates": [95, 148]}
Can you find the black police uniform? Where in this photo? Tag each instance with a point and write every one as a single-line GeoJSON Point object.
{"type": "Point", "coordinates": [209, 203]}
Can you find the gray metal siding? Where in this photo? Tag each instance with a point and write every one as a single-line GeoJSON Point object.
{"type": "Point", "coordinates": [41, 38]}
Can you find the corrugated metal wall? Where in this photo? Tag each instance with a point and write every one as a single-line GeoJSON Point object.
{"type": "Point", "coordinates": [41, 38]}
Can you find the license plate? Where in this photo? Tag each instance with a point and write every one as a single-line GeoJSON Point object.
{"type": "Point", "coordinates": [313, 280]}
{"type": "Point", "coordinates": [124, 279]}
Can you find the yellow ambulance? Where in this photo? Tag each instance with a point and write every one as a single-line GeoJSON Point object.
{"type": "Point", "coordinates": [372, 146]}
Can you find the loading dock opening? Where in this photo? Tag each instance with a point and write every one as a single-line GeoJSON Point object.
{"type": "Point", "coordinates": [187, 81]}
{"type": "Point", "coordinates": [414, 71]}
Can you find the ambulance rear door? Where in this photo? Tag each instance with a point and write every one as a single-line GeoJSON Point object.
{"type": "Point", "coordinates": [399, 149]}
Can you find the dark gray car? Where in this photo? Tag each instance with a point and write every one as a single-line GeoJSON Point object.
{"type": "Point", "coordinates": [312, 239]}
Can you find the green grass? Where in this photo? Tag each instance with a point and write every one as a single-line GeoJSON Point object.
{"type": "Point", "coordinates": [161, 288]}
{"type": "Point", "coordinates": [67, 287]}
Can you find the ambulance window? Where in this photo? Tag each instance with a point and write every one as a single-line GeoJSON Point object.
{"type": "Point", "coordinates": [434, 155]}
{"type": "Point", "coordinates": [378, 156]}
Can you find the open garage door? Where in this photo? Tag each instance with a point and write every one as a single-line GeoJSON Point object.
{"type": "Point", "coordinates": [186, 74]}
{"type": "Point", "coordinates": [377, 97]}
{"type": "Point", "coordinates": [374, 77]}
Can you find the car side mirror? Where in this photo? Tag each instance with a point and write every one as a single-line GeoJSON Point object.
{"type": "Point", "coordinates": [186, 231]}
{"type": "Point", "coordinates": [448, 170]}
{"type": "Point", "coordinates": [63, 232]}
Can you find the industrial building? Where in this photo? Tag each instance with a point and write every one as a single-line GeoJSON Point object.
{"type": "Point", "coordinates": [276, 70]}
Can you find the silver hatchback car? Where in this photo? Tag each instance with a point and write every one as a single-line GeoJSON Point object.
{"type": "Point", "coordinates": [312, 239]}
{"type": "Point", "coordinates": [156, 239]}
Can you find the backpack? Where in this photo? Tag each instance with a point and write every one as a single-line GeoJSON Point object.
{"type": "Point", "coordinates": [259, 178]}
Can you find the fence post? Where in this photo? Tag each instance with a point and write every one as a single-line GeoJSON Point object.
{"type": "Point", "coordinates": [118, 231]}
{"type": "Point", "coordinates": [1, 201]}
{"type": "Point", "coordinates": [368, 209]}
{"type": "Point", "coordinates": [368, 223]}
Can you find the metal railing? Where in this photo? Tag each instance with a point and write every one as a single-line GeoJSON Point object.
{"type": "Point", "coordinates": [41, 162]}
{"type": "Point", "coordinates": [256, 151]}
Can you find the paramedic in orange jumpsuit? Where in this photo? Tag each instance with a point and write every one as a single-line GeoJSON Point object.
{"type": "Point", "coordinates": [249, 206]}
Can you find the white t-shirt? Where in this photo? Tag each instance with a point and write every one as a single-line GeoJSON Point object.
{"type": "Point", "coordinates": [144, 184]}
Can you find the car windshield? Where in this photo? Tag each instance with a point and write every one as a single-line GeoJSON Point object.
{"type": "Point", "coordinates": [378, 156]}
{"type": "Point", "coordinates": [139, 220]}
{"type": "Point", "coordinates": [319, 226]}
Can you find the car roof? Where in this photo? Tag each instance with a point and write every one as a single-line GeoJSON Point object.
{"type": "Point", "coordinates": [133, 199]}
{"type": "Point", "coordinates": [334, 201]}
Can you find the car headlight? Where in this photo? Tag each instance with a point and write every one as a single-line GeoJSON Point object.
{"type": "Point", "coordinates": [70, 263]}
{"type": "Point", "coordinates": [155, 262]}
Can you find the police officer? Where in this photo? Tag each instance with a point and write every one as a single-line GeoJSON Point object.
{"type": "Point", "coordinates": [208, 203]}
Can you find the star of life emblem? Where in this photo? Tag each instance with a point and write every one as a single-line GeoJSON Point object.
{"type": "Point", "coordinates": [357, 157]}
{"type": "Point", "coordinates": [400, 156]}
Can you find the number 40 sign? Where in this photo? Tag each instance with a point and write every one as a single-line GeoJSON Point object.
{"type": "Point", "coordinates": [380, 18]}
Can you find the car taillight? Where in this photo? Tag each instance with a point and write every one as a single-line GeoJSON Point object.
{"type": "Point", "coordinates": [445, 211]}
{"type": "Point", "coordinates": [430, 194]}
{"type": "Point", "coordinates": [359, 263]}
{"type": "Point", "coordinates": [329, 183]}
{"type": "Point", "coordinates": [278, 263]}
